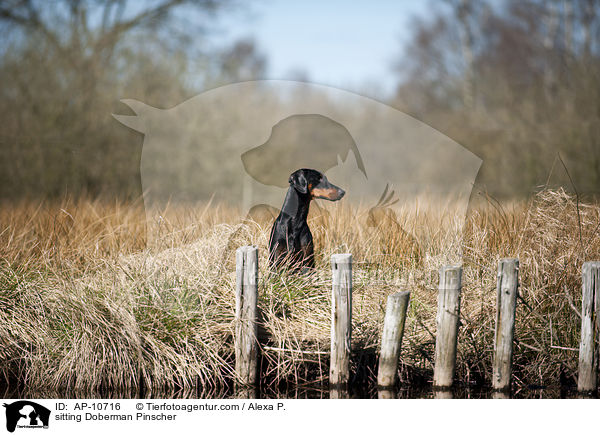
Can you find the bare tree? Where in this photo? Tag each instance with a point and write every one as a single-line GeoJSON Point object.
{"type": "Point", "coordinates": [86, 45]}
{"type": "Point", "coordinates": [534, 75]}
{"type": "Point", "coordinates": [464, 11]}
{"type": "Point", "coordinates": [552, 25]}
{"type": "Point", "coordinates": [241, 62]}
{"type": "Point", "coordinates": [587, 19]}
{"type": "Point", "coordinates": [64, 68]}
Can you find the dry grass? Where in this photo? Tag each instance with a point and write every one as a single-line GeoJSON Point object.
{"type": "Point", "coordinates": [86, 306]}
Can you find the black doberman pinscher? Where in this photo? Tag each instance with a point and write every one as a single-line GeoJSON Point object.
{"type": "Point", "coordinates": [291, 241]}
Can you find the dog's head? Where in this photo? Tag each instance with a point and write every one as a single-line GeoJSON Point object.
{"type": "Point", "coordinates": [305, 140]}
{"type": "Point", "coordinates": [315, 184]}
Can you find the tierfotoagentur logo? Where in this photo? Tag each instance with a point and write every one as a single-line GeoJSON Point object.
{"type": "Point", "coordinates": [238, 145]}
{"type": "Point", "coordinates": [25, 414]}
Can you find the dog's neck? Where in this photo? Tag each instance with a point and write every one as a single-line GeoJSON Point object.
{"type": "Point", "coordinates": [296, 205]}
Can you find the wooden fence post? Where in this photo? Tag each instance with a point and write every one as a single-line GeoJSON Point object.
{"type": "Point", "coordinates": [447, 326]}
{"type": "Point", "coordinates": [506, 302]}
{"type": "Point", "coordinates": [386, 394]}
{"type": "Point", "coordinates": [443, 394]}
{"type": "Point", "coordinates": [391, 339]}
{"type": "Point", "coordinates": [587, 381]}
{"type": "Point", "coordinates": [246, 299]}
{"type": "Point", "coordinates": [341, 319]}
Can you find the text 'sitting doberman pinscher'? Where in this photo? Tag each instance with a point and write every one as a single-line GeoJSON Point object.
{"type": "Point", "coordinates": [291, 241]}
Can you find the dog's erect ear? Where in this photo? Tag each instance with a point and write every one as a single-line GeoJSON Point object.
{"type": "Point", "coordinates": [298, 181]}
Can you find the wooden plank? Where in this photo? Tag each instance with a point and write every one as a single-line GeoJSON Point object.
{"type": "Point", "coordinates": [506, 302]}
{"type": "Point", "coordinates": [587, 381]}
{"type": "Point", "coordinates": [341, 319]}
{"type": "Point", "coordinates": [391, 339]}
{"type": "Point", "coordinates": [447, 326]}
{"type": "Point", "coordinates": [246, 301]}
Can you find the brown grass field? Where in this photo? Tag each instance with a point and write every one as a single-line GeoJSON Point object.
{"type": "Point", "coordinates": [87, 307]}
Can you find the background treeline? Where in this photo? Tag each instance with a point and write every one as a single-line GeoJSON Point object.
{"type": "Point", "coordinates": [516, 82]}
{"type": "Point", "coordinates": [66, 64]}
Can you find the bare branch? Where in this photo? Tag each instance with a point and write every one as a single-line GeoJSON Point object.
{"type": "Point", "coordinates": [28, 17]}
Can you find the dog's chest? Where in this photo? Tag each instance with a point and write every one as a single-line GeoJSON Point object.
{"type": "Point", "coordinates": [297, 235]}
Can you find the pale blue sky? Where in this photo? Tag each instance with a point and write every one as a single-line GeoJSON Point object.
{"type": "Point", "coordinates": [347, 44]}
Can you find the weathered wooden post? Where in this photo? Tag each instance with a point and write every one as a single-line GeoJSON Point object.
{"type": "Point", "coordinates": [341, 319]}
{"type": "Point", "coordinates": [246, 299]}
{"type": "Point", "coordinates": [447, 326]}
{"type": "Point", "coordinates": [386, 394]}
{"type": "Point", "coordinates": [499, 394]}
{"type": "Point", "coordinates": [338, 392]}
{"type": "Point", "coordinates": [391, 339]}
{"type": "Point", "coordinates": [506, 303]}
{"type": "Point", "coordinates": [443, 394]}
{"type": "Point", "coordinates": [587, 381]}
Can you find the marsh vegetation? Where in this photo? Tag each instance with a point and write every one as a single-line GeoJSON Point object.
{"type": "Point", "coordinates": [87, 307]}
